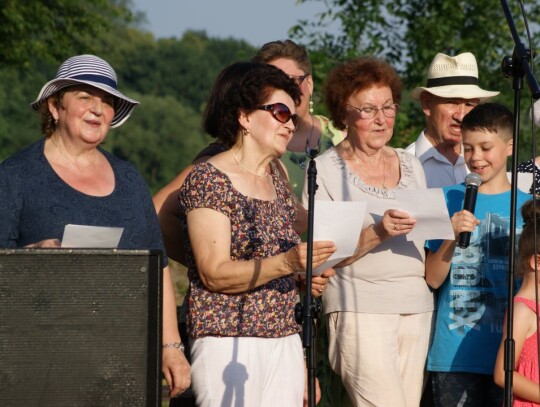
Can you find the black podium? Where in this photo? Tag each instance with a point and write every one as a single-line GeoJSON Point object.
{"type": "Point", "coordinates": [80, 327]}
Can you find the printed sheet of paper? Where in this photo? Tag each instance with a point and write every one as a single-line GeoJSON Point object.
{"type": "Point", "coordinates": [340, 222]}
{"type": "Point", "coordinates": [84, 236]}
{"type": "Point", "coordinates": [428, 207]}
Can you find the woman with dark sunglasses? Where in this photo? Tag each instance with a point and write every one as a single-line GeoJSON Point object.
{"type": "Point", "coordinates": [242, 251]}
{"type": "Point", "coordinates": [315, 132]}
{"type": "Point", "coordinates": [378, 307]}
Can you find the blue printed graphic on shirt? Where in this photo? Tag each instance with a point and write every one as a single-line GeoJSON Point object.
{"type": "Point", "coordinates": [472, 300]}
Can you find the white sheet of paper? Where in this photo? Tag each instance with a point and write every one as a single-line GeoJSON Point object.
{"type": "Point", "coordinates": [524, 180]}
{"type": "Point", "coordinates": [340, 222]}
{"type": "Point", "coordinates": [84, 236]}
{"type": "Point", "coordinates": [428, 207]}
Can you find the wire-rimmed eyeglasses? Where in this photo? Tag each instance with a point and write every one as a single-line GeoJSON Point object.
{"type": "Point", "coordinates": [369, 112]}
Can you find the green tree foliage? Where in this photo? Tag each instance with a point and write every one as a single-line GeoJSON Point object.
{"type": "Point", "coordinates": [50, 29]}
{"type": "Point", "coordinates": [408, 33]}
{"type": "Point", "coordinates": [19, 124]}
{"type": "Point", "coordinates": [183, 69]}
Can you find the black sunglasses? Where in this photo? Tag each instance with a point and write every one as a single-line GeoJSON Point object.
{"type": "Point", "coordinates": [281, 113]}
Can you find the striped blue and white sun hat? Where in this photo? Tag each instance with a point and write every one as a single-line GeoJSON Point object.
{"type": "Point", "coordinates": [93, 71]}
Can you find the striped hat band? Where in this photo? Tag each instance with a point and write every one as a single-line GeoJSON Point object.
{"type": "Point", "coordinates": [93, 71]}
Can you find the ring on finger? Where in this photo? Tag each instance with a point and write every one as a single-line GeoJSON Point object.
{"type": "Point", "coordinates": [395, 226]}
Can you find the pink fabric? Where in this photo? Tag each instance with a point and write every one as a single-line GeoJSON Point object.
{"type": "Point", "coordinates": [528, 360]}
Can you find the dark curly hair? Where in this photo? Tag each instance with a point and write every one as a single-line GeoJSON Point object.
{"type": "Point", "coordinates": [284, 49]}
{"type": "Point", "coordinates": [242, 87]}
{"type": "Point", "coordinates": [354, 76]}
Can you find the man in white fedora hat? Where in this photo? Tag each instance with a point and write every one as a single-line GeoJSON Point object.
{"type": "Point", "coordinates": [450, 93]}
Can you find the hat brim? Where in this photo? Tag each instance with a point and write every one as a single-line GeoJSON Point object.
{"type": "Point", "coordinates": [455, 91]}
{"type": "Point", "coordinates": [123, 108]}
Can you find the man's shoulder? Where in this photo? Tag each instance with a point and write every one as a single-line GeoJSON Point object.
{"type": "Point", "coordinates": [421, 147]}
{"type": "Point", "coordinates": [411, 148]}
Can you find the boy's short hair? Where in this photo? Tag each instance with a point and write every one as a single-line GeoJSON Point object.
{"type": "Point", "coordinates": [491, 117]}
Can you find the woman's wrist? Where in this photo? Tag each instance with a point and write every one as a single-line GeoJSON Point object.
{"type": "Point", "coordinates": [379, 231]}
{"type": "Point", "coordinates": [173, 345]}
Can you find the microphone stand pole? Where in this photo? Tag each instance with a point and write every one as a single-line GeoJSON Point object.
{"type": "Point", "coordinates": [307, 313]}
{"type": "Point", "coordinates": [517, 66]}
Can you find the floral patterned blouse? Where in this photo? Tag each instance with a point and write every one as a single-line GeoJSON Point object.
{"type": "Point", "coordinates": [259, 229]}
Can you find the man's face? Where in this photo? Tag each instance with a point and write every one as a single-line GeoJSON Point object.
{"type": "Point", "coordinates": [444, 116]}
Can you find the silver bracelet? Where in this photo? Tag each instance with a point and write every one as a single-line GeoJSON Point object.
{"type": "Point", "coordinates": [175, 345]}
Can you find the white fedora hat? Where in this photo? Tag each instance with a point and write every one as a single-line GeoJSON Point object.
{"type": "Point", "coordinates": [453, 77]}
{"type": "Point", "coordinates": [93, 71]}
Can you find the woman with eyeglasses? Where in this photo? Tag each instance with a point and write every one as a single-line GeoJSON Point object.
{"type": "Point", "coordinates": [378, 306]}
{"type": "Point", "coordinates": [242, 251]}
{"type": "Point", "coordinates": [315, 132]}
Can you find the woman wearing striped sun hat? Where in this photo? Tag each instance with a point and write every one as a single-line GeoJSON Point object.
{"type": "Point", "coordinates": [66, 178]}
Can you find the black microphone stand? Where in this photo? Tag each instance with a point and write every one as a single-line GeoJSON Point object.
{"type": "Point", "coordinates": [517, 66]}
{"type": "Point", "coordinates": [308, 311]}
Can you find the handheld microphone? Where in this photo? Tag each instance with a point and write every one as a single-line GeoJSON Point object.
{"type": "Point", "coordinates": [472, 182]}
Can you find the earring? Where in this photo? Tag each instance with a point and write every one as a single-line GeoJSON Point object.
{"type": "Point", "coordinates": [56, 122]}
{"type": "Point", "coordinates": [310, 105]}
{"type": "Point", "coordinates": [245, 132]}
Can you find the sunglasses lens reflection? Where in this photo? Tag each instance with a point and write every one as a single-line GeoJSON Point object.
{"type": "Point", "coordinates": [282, 113]}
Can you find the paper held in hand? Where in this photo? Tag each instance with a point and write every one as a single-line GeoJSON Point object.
{"type": "Point", "coordinates": [340, 222]}
{"type": "Point", "coordinates": [428, 207]}
{"type": "Point", "coordinates": [84, 236]}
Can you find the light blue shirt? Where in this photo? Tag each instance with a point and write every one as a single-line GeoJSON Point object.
{"type": "Point", "coordinates": [439, 171]}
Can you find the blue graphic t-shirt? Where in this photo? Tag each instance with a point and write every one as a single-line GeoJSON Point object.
{"type": "Point", "coordinates": [472, 300]}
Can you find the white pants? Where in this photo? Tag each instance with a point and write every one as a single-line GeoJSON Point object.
{"type": "Point", "coordinates": [380, 357]}
{"type": "Point", "coordinates": [245, 372]}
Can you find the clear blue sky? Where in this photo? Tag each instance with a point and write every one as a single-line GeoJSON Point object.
{"type": "Point", "coordinates": [256, 21]}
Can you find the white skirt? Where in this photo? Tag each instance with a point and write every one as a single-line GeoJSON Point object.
{"type": "Point", "coordinates": [248, 371]}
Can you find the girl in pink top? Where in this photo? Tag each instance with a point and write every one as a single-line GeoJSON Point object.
{"type": "Point", "coordinates": [526, 389]}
